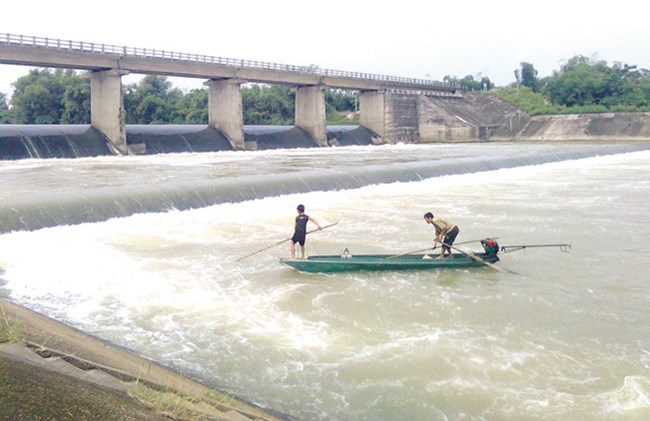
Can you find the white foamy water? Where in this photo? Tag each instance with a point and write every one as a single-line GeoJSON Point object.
{"type": "Point", "coordinates": [566, 338]}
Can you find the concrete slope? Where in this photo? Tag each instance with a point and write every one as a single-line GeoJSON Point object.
{"type": "Point", "coordinates": [53, 367]}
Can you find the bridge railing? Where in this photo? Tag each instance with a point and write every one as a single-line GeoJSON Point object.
{"type": "Point", "coordinates": [91, 47]}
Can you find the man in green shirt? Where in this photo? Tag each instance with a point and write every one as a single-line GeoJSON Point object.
{"type": "Point", "coordinates": [446, 233]}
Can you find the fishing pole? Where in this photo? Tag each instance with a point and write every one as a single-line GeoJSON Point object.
{"type": "Point", "coordinates": [563, 247]}
{"type": "Point", "coordinates": [283, 241]}
{"type": "Point", "coordinates": [395, 256]}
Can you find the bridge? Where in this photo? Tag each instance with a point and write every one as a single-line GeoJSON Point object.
{"type": "Point", "coordinates": [224, 76]}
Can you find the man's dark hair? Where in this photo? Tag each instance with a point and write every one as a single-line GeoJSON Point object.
{"type": "Point", "coordinates": [428, 215]}
{"type": "Point", "coordinates": [301, 208]}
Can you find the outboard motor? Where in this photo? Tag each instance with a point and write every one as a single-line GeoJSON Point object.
{"type": "Point", "coordinates": [490, 246]}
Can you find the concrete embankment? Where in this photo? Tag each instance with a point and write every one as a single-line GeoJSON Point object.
{"type": "Point", "coordinates": [486, 117]}
{"type": "Point", "coordinates": [51, 371]}
{"type": "Point", "coordinates": [610, 126]}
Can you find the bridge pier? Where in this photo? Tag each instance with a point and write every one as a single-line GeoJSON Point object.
{"type": "Point", "coordinates": [225, 110]}
{"type": "Point", "coordinates": [107, 107]}
{"type": "Point", "coordinates": [372, 107]}
{"type": "Point", "coordinates": [393, 116]}
{"type": "Point", "coordinates": [311, 112]}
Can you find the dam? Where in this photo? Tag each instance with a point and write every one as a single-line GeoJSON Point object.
{"type": "Point", "coordinates": [392, 109]}
{"type": "Point", "coordinates": [224, 76]}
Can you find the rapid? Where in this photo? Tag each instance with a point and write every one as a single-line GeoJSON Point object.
{"type": "Point", "coordinates": [567, 337]}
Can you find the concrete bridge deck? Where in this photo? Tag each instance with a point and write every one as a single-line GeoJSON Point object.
{"type": "Point", "coordinates": [48, 52]}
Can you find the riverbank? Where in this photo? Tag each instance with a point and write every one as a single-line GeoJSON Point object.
{"type": "Point", "coordinates": [51, 371]}
{"type": "Point", "coordinates": [507, 123]}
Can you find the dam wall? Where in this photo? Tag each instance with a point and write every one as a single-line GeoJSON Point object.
{"type": "Point", "coordinates": [83, 141]}
{"type": "Point", "coordinates": [401, 118]}
{"type": "Point", "coordinates": [52, 141]}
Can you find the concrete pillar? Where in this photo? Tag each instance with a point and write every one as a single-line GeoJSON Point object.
{"type": "Point", "coordinates": [372, 110]}
{"type": "Point", "coordinates": [225, 110]}
{"type": "Point", "coordinates": [311, 112]}
{"type": "Point", "coordinates": [107, 107]}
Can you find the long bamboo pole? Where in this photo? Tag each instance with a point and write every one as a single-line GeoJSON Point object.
{"type": "Point", "coordinates": [430, 249]}
{"type": "Point", "coordinates": [282, 241]}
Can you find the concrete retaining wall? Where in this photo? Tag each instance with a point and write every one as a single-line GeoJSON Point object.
{"type": "Point", "coordinates": [401, 118]}
{"type": "Point", "coordinates": [611, 126]}
{"type": "Point", "coordinates": [485, 117]}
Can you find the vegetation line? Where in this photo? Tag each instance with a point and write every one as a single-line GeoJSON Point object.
{"type": "Point", "coordinates": [582, 85]}
{"type": "Point", "coordinates": [62, 96]}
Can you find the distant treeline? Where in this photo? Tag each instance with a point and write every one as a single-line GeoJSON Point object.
{"type": "Point", "coordinates": [46, 96]}
{"type": "Point", "coordinates": [581, 85]}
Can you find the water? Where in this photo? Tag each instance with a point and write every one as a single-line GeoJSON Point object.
{"type": "Point", "coordinates": [567, 338]}
{"type": "Point", "coordinates": [44, 193]}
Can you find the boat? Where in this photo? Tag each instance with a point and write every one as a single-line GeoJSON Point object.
{"type": "Point", "coordinates": [382, 262]}
{"type": "Point", "coordinates": [346, 262]}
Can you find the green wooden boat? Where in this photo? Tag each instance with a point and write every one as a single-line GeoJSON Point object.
{"type": "Point", "coordinates": [376, 262]}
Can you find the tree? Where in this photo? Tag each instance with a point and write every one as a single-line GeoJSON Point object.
{"type": "Point", "coordinates": [5, 115]}
{"type": "Point", "coordinates": [76, 101]}
{"type": "Point", "coordinates": [529, 76]}
{"type": "Point", "coordinates": [630, 86]}
{"type": "Point", "coordinates": [37, 98]}
{"type": "Point", "coordinates": [468, 83]}
{"type": "Point", "coordinates": [340, 100]}
{"type": "Point", "coordinates": [263, 104]}
{"type": "Point", "coordinates": [193, 107]}
{"type": "Point", "coordinates": [51, 97]}
{"type": "Point", "coordinates": [152, 101]}
{"type": "Point", "coordinates": [582, 82]}
{"type": "Point", "coordinates": [486, 84]}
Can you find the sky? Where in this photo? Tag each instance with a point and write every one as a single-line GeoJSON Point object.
{"type": "Point", "coordinates": [407, 38]}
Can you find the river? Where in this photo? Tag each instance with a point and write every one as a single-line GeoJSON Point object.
{"type": "Point", "coordinates": [566, 337]}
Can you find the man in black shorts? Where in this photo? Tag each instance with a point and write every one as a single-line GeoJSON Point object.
{"type": "Point", "coordinates": [446, 233]}
{"type": "Point", "coordinates": [300, 231]}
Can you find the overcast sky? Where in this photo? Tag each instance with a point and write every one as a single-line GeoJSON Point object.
{"type": "Point", "coordinates": [409, 38]}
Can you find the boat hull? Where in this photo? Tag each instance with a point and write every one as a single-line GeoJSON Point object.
{"type": "Point", "coordinates": [385, 262]}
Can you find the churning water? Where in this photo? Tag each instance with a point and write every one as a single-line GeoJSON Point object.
{"type": "Point", "coordinates": [568, 337]}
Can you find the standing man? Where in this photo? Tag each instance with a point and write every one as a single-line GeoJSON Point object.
{"type": "Point", "coordinates": [446, 233]}
{"type": "Point", "coordinates": [300, 231]}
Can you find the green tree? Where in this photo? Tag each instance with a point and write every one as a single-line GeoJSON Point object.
{"type": "Point", "coordinates": [76, 100]}
{"type": "Point", "coordinates": [341, 100]}
{"type": "Point", "coordinates": [340, 105]}
{"type": "Point", "coordinates": [469, 84]}
{"type": "Point", "coordinates": [44, 96]}
{"type": "Point", "coordinates": [37, 98]}
{"type": "Point", "coordinates": [5, 115]}
{"type": "Point", "coordinates": [192, 107]}
{"type": "Point", "coordinates": [584, 86]}
{"type": "Point", "coordinates": [152, 101]}
{"type": "Point", "coordinates": [486, 84]}
{"type": "Point", "coordinates": [269, 105]}
{"type": "Point", "coordinates": [529, 76]}
{"type": "Point", "coordinates": [582, 82]}
{"type": "Point", "coordinates": [630, 86]}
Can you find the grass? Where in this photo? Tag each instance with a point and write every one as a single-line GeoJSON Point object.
{"type": "Point", "coordinates": [177, 406]}
{"type": "Point", "coordinates": [9, 329]}
{"type": "Point", "coordinates": [167, 403]}
{"type": "Point", "coordinates": [535, 103]}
